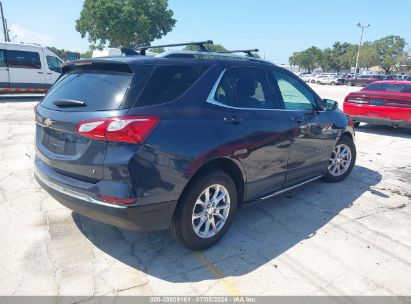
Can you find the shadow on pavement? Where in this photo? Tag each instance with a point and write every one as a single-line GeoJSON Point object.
{"type": "Point", "coordinates": [260, 232]}
{"type": "Point", "coordinates": [384, 130]}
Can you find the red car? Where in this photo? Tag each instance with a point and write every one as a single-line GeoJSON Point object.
{"type": "Point", "coordinates": [382, 103]}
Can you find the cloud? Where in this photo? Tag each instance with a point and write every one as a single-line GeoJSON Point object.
{"type": "Point", "coordinates": [24, 35]}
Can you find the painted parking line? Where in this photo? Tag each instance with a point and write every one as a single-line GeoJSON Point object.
{"type": "Point", "coordinates": [226, 282]}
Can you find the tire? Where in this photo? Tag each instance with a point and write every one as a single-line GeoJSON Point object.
{"type": "Point", "coordinates": [333, 83]}
{"type": "Point", "coordinates": [183, 223]}
{"type": "Point", "coordinates": [350, 84]}
{"type": "Point", "coordinates": [332, 175]}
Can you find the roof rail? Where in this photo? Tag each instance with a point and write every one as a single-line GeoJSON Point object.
{"type": "Point", "coordinates": [248, 52]}
{"type": "Point", "coordinates": [200, 44]}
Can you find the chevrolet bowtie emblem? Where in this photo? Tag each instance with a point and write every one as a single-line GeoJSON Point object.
{"type": "Point", "coordinates": [48, 122]}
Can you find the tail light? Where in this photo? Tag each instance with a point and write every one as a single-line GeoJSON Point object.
{"type": "Point", "coordinates": [359, 100]}
{"type": "Point", "coordinates": [130, 129]}
{"type": "Point", "coordinates": [398, 103]}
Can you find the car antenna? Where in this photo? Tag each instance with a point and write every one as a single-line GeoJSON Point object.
{"type": "Point", "coordinates": [200, 44]}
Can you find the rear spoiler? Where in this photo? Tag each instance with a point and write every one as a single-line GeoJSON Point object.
{"type": "Point", "coordinates": [114, 66]}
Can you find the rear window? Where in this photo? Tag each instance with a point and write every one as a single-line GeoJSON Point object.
{"type": "Point", "coordinates": [388, 87]}
{"type": "Point", "coordinates": [99, 90]}
{"type": "Point", "coordinates": [169, 82]}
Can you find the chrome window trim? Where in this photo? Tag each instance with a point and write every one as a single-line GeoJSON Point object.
{"type": "Point", "coordinates": [210, 99]}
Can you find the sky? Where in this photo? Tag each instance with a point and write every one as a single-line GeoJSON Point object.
{"type": "Point", "coordinates": [277, 27]}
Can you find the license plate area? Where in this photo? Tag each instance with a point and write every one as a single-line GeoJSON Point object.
{"type": "Point", "coordinates": [56, 144]}
{"type": "Point", "coordinates": [377, 102]}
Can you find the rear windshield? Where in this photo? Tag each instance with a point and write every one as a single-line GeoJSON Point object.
{"type": "Point", "coordinates": [388, 87]}
{"type": "Point", "coordinates": [169, 82]}
{"type": "Point", "coordinates": [99, 90]}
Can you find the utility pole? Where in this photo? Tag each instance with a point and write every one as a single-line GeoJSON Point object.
{"type": "Point", "coordinates": [3, 23]}
{"type": "Point", "coordinates": [7, 30]}
{"type": "Point", "coordinates": [359, 46]}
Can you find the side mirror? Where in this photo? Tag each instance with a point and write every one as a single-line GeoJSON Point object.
{"type": "Point", "coordinates": [330, 105]}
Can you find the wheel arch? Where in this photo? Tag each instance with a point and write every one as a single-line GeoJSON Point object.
{"type": "Point", "coordinates": [227, 165]}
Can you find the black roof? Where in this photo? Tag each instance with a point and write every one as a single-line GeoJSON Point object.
{"type": "Point", "coordinates": [138, 59]}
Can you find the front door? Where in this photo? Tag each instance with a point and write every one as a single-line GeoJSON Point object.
{"type": "Point", "coordinates": [53, 69]}
{"type": "Point", "coordinates": [312, 132]}
{"type": "Point", "coordinates": [252, 128]}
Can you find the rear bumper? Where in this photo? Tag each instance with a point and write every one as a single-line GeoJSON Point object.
{"type": "Point", "coordinates": [148, 217]}
{"type": "Point", "coordinates": [381, 115]}
{"type": "Point", "coordinates": [381, 121]}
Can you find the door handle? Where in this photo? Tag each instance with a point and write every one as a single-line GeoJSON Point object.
{"type": "Point", "coordinates": [306, 116]}
{"type": "Point", "coordinates": [298, 119]}
{"type": "Point", "coordinates": [233, 119]}
{"type": "Point", "coordinates": [49, 73]}
{"type": "Point", "coordinates": [40, 72]}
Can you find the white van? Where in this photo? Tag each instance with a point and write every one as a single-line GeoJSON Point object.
{"type": "Point", "coordinates": [27, 68]}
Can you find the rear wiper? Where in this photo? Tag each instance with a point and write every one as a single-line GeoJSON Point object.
{"type": "Point", "coordinates": [69, 103]}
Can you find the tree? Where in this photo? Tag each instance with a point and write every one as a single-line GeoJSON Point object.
{"type": "Point", "coordinates": [59, 52]}
{"type": "Point", "coordinates": [389, 51]}
{"type": "Point", "coordinates": [209, 47]}
{"type": "Point", "coordinates": [157, 50]}
{"type": "Point", "coordinates": [347, 60]}
{"type": "Point", "coordinates": [328, 62]}
{"type": "Point", "coordinates": [308, 59]}
{"type": "Point", "coordinates": [125, 23]}
{"type": "Point", "coordinates": [368, 56]}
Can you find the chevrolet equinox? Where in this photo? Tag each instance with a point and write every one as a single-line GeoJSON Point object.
{"type": "Point", "coordinates": [182, 140]}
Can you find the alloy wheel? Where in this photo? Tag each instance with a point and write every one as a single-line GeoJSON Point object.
{"type": "Point", "coordinates": [211, 211]}
{"type": "Point", "coordinates": [340, 160]}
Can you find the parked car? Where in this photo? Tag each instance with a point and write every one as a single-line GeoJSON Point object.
{"type": "Point", "coordinates": [182, 140]}
{"type": "Point", "coordinates": [344, 78]}
{"type": "Point", "coordinates": [401, 77]}
{"type": "Point", "coordinates": [408, 78]}
{"type": "Point", "coordinates": [313, 78]}
{"type": "Point", "coordinates": [330, 79]}
{"type": "Point", "coordinates": [388, 77]}
{"type": "Point", "coordinates": [27, 68]}
{"type": "Point", "coordinates": [381, 102]}
{"type": "Point", "coordinates": [362, 80]}
{"type": "Point", "coordinates": [305, 77]}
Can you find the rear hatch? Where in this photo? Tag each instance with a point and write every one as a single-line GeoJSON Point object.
{"type": "Point", "coordinates": [86, 90]}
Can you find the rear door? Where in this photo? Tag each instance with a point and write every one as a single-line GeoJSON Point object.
{"type": "Point", "coordinates": [104, 89]}
{"type": "Point", "coordinates": [4, 73]}
{"type": "Point", "coordinates": [312, 136]}
{"type": "Point", "coordinates": [252, 127]}
{"type": "Point", "coordinates": [26, 68]}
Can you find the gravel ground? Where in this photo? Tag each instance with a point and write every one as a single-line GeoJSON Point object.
{"type": "Point", "coordinates": [350, 238]}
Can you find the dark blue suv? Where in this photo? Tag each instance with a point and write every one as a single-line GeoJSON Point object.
{"type": "Point", "coordinates": [183, 140]}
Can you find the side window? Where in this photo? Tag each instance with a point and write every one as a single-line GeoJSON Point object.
{"type": "Point", "coordinates": [225, 92]}
{"type": "Point", "coordinates": [169, 82]}
{"type": "Point", "coordinates": [295, 95]}
{"type": "Point", "coordinates": [54, 63]}
{"type": "Point", "coordinates": [252, 88]}
{"type": "Point", "coordinates": [23, 59]}
{"type": "Point", "coordinates": [3, 58]}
